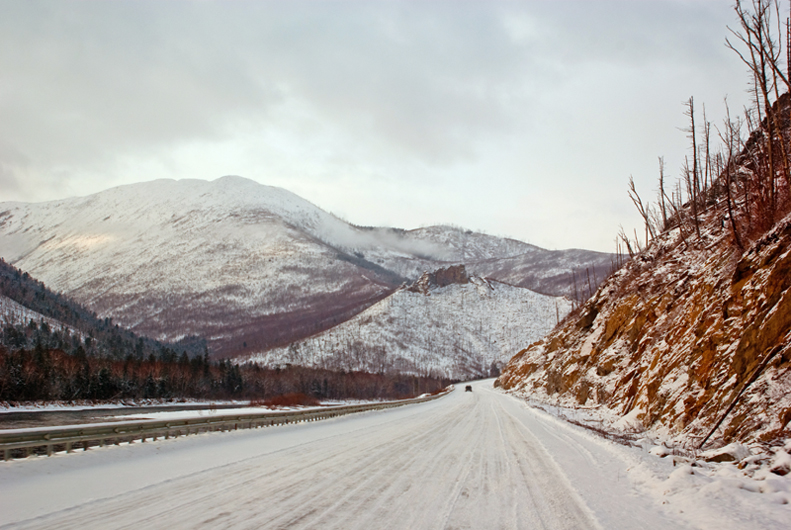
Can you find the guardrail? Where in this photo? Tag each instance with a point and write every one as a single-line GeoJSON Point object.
{"type": "Point", "coordinates": [49, 441]}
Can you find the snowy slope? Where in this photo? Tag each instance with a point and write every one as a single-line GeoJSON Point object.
{"type": "Point", "coordinates": [13, 313]}
{"type": "Point", "coordinates": [458, 331]}
{"type": "Point", "coordinates": [219, 259]}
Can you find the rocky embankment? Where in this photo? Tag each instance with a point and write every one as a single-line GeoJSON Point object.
{"type": "Point", "coordinates": [691, 338]}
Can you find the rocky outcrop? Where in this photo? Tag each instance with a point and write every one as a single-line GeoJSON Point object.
{"type": "Point", "coordinates": [428, 281]}
{"type": "Point", "coordinates": [692, 338]}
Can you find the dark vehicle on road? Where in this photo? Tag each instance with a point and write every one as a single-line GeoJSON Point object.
{"type": "Point", "coordinates": [468, 388]}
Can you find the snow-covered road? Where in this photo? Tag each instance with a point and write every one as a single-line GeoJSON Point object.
{"type": "Point", "coordinates": [475, 460]}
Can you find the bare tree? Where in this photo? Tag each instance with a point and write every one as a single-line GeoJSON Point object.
{"type": "Point", "coordinates": [707, 171]}
{"type": "Point", "coordinates": [752, 178]}
{"type": "Point", "coordinates": [627, 242]}
{"type": "Point", "coordinates": [762, 58]}
{"type": "Point", "coordinates": [731, 137]}
{"type": "Point", "coordinates": [676, 203]}
{"type": "Point", "coordinates": [692, 178]}
{"type": "Point", "coordinates": [662, 207]}
{"type": "Point", "coordinates": [644, 210]}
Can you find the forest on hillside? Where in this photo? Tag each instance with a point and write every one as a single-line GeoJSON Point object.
{"type": "Point", "coordinates": [75, 328]}
{"type": "Point", "coordinates": [68, 354]}
{"type": "Point", "coordinates": [46, 372]}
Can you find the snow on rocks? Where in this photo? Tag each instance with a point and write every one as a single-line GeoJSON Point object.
{"type": "Point", "coordinates": [688, 338]}
{"type": "Point", "coordinates": [781, 463]}
{"type": "Point", "coordinates": [660, 451]}
{"type": "Point", "coordinates": [733, 452]}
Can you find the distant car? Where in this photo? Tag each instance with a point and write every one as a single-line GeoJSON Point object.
{"type": "Point", "coordinates": [468, 388]}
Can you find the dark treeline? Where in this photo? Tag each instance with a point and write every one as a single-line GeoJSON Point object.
{"type": "Point", "coordinates": [102, 336]}
{"type": "Point", "coordinates": [41, 363]}
{"type": "Point", "coordinates": [51, 374]}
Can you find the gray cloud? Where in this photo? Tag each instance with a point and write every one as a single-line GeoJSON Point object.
{"type": "Point", "coordinates": [8, 179]}
{"type": "Point", "coordinates": [96, 75]}
{"type": "Point", "coordinates": [432, 92]}
{"type": "Point", "coordinates": [84, 79]}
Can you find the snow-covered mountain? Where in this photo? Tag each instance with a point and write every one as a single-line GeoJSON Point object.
{"type": "Point", "coordinates": [238, 263]}
{"type": "Point", "coordinates": [244, 265]}
{"type": "Point", "coordinates": [466, 329]}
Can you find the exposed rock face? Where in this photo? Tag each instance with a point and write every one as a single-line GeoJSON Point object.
{"type": "Point", "coordinates": [677, 337]}
{"type": "Point", "coordinates": [456, 274]}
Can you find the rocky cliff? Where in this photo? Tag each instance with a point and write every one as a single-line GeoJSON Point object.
{"type": "Point", "coordinates": [692, 337]}
{"type": "Point", "coordinates": [456, 274]}
{"type": "Point", "coordinates": [679, 339]}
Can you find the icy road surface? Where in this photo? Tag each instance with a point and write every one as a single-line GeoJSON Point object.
{"type": "Point", "coordinates": [474, 460]}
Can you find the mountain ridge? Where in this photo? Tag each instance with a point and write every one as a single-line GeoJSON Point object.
{"type": "Point", "coordinates": [244, 265]}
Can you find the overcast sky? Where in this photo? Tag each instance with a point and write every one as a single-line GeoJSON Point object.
{"type": "Point", "coordinates": [521, 119]}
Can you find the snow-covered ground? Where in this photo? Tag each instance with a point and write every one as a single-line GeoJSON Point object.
{"type": "Point", "coordinates": [705, 495]}
{"type": "Point", "coordinates": [215, 413]}
{"type": "Point", "coordinates": [240, 406]}
{"type": "Point", "coordinates": [478, 459]}
{"type": "Point", "coordinates": [29, 418]}
{"type": "Point", "coordinates": [62, 406]}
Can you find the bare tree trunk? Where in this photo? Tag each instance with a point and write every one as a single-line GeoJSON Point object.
{"type": "Point", "coordinates": [677, 215]}
{"type": "Point", "coordinates": [662, 192]}
{"type": "Point", "coordinates": [644, 210]}
{"type": "Point", "coordinates": [590, 286]}
{"type": "Point", "coordinates": [574, 279]}
{"type": "Point", "coordinates": [693, 179]}
{"type": "Point", "coordinates": [707, 177]}
{"type": "Point", "coordinates": [732, 140]}
{"type": "Point", "coordinates": [622, 235]}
